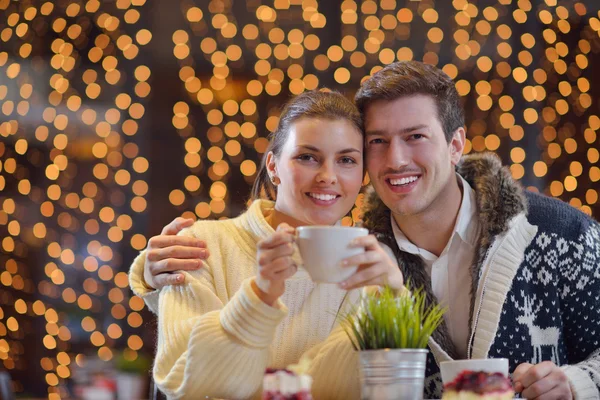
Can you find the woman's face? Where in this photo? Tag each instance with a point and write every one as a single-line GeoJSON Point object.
{"type": "Point", "coordinates": [319, 171]}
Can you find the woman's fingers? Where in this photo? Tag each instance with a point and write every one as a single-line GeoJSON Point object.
{"type": "Point", "coordinates": [269, 255]}
{"type": "Point", "coordinates": [276, 239]}
{"type": "Point", "coordinates": [272, 270]}
{"type": "Point", "coordinates": [369, 257]}
{"type": "Point", "coordinates": [369, 242]}
{"type": "Point", "coordinates": [364, 275]}
{"type": "Point", "coordinates": [288, 272]}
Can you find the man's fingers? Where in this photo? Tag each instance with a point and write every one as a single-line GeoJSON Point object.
{"type": "Point", "coordinates": [172, 264]}
{"type": "Point", "coordinates": [176, 225]}
{"type": "Point", "coordinates": [553, 386]}
{"type": "Point", "coordinates": [162, 280]}
{"type": "Point", "coordinates": [158, 242]}
{"type": "Point", "coordinates": [520, 370]}
{"type": "Point", "coordinates": [179, 252]}
{"type": "Point", "coordinates": [518, 373]}
{"type": "Point", "coordinates": [538, 388]}
{"type": "Point", "coordinates": [536, 373]}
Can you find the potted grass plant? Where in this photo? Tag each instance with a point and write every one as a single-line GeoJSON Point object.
{"type": "Point", "coordinates": [391, 333]}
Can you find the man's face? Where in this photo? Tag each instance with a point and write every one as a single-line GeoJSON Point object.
{"type": "Point", "coordinates": [410, 163]}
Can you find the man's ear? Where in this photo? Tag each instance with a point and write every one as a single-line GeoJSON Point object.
{"type": "Point", "coordinates": [457, 145]}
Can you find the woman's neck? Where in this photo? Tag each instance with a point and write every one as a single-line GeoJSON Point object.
{"type": "Point", "coordinates": [275, 217]}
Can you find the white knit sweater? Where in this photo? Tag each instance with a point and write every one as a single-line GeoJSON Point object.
{"type": "Point", "coordinates": [216, 337]}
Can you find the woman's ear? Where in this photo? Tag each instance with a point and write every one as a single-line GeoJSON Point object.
{"type": "Point", "coordinates": [272, 168]}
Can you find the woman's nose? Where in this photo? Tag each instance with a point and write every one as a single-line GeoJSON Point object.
{"type": "Point", "coordinates": [327, 174]}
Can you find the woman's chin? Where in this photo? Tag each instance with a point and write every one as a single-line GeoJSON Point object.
{"type": "Point", "coordinates": [323, 219]}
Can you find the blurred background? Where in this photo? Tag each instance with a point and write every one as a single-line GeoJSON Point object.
{"type": "Point", "coordinates": [117, 116]}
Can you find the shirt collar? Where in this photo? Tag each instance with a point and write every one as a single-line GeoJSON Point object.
{"type": "Point", "coordinates": [466, 222]}
{"type": "Point", "coordinates": [466, 225]}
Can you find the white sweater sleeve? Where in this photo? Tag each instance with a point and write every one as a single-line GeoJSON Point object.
{"type": "Point", "coordinates": [334, 368]}
{"type": "Point", "coordinates": [209, 349]}
{"type": "Point", "coordinates": [139, 286]}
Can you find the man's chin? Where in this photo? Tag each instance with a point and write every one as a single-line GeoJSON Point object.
{"type": "Point", "coordinates": [404, 209]}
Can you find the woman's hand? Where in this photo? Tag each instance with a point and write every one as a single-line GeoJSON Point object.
{"type": "Point", "coordinates": [275, 264]}
{"type": "Point", "coordinates": [375, 266]}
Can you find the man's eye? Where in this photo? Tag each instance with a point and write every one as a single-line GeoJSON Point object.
{"type": "Point", "coordinates": [416, 136]}
{"type": "Point", "coordinates": [375, 141]}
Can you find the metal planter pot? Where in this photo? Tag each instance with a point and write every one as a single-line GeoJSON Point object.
{"type": "Point", "coordinates": [392, 374]}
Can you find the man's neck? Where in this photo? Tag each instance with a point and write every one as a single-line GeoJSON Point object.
{"type": "Point", "coordinates": [432, 229]}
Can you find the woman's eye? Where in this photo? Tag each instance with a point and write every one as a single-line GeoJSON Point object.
{"type": "Point", "coordinates": [348, 160]}
{"type": "Point", "coordinates": [306, 157]}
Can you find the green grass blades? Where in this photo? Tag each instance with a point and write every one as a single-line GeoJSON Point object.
{"type": "Point", "coordinates": [384, 320]}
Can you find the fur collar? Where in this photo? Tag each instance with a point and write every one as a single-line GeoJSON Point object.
{"type": "Point", "coordinates": [499, 199]}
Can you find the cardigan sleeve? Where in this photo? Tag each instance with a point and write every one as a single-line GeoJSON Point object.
{"type": "Point", "coordinates": [139, 286]}
{"type": "Point", "coordinates": [207, 348]}
{"type": "Point", "coordinates": [581, 314]}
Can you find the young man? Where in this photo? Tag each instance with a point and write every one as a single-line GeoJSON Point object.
{"type": "Point", "coordinates": [519, 272]}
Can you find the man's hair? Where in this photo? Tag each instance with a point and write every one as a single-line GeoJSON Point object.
{"type": "Point", "coordinates": [408, 78]}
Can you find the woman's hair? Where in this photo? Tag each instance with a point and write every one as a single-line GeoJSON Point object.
{"type": "Point", "coordinates": [311, 104]}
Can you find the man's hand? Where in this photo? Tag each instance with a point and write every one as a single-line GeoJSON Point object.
{"type": "Point", "coordinates": [168, 254]}
{"type": "Point", "coordinates": [375, 267]}
{"type": "Point", "coordinates": [542, 381]}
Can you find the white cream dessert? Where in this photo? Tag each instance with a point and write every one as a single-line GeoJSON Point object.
{"type": "Point", "coordinates": [477, 385]}
{"type": "Point", "coordinates": [292, 383]}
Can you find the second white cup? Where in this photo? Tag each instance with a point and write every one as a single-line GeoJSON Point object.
{"type": "Point", "coordinates": [323, 248]}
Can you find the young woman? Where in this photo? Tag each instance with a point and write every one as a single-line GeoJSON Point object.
{"type": "Point", "coordinates": [250, 306]}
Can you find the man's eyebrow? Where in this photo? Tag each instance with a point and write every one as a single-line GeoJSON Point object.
{"type": "Point", "coordinates": [401, 131]}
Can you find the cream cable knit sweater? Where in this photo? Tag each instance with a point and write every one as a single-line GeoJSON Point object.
{"type": "Point", "coordinates": [216, 337]}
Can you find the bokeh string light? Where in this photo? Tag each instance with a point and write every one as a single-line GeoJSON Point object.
{"type": "Point", "coordinates": [73, 183]}
{"type": "Point", "coordinates": [76, 84]}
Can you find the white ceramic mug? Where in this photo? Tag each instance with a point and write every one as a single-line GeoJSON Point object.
{"type": "Point", "coordinates": [323, 248]}
{"type": "Point", "coordinates": [451, 369]}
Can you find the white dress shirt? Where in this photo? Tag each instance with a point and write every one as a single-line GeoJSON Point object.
{"type": "Point", "coordinates": [451, 271]}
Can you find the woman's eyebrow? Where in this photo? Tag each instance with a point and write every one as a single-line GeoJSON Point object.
{"type": "Point", "coordinates": [315, 149]}
{"type": "Point", "coordinates": [349, 150]}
